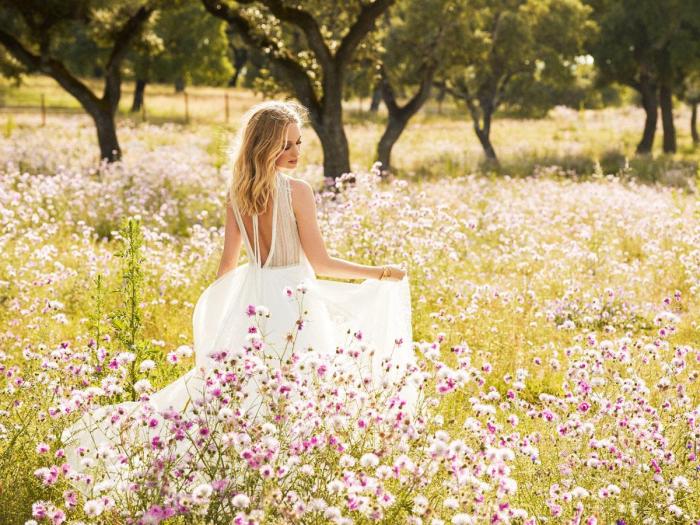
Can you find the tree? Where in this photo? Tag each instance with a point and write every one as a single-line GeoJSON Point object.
{"type": "Point", "coordinates": [426, 28]}
{"type": "Point", "coordinates": [691, 95]}
{"type": "Point", "coordinates": [141, 58]}
{"type": "Point", "coordinates": [34, 32]}
{"type": "Point", "coordinates": [505, 43]}
{"type": "Point", "coordinates": [649, 46]}
{"type": "Point", "coordinates": [238, 54]}
{"type": "Point", "coordinates": [309, 50]}
{"type": "Point", "coordinates": [184, 45]}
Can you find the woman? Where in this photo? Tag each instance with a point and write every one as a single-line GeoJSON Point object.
{"type": "Point", "coordinates": [274, 216]}
{"type": "Point", "coordinates": [295, 317]}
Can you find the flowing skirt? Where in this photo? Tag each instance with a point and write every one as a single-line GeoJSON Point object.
{"type": "Point", "coordinates": [335, 315]}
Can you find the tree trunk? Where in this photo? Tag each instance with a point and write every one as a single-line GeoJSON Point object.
{"type": "Point", "coordinates": [647, 89]}
{"type": "Point", "coordinates": [240, 57]}
{"type": "Point", "coordinates": [440, 97]}
{"type": "Point", "coordinates": [138, 95]}
{"type": "Point", "coordinates": [102, 111]}
{"type": "Point", "coordinates": [179, 85]}
{"type": "Point", "coordinates": [327, 121]}
{"type": "Point", "coordinates": [107, 135]}
{"type": "Point", "coordinates": [694, 123]}
{"type": "Point", "coordinates": [481, 117]}
{"type": "Point", "coordinates": [399, 116]}
{"type": "Point", "coordinates": [395, 126]}
{"type": "Point", "coordinates": [336, 153]}
{"type": "Point", "coordinates": [666, 103]}
{"type": "Point", "coordinates": [376, 99]}
{"type": "Point", "coordinates": [485, 140]}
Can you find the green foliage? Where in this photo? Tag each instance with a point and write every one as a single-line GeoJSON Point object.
{"type": "Point", "coordinates": [95, 325]}
{"type": "Point", "coordinates": [419, 34]}
{"type": "Point", "coordinates": [78, 33]}
{"type": "Point", "coordinates": [9, 67]}
{"type": "Point", "coordinates": [289, 42]}
{"type": "Point", "coordinates": [645, 37]}
{"type": "Point", "coordinates": [184, 44]}
{"type": "Point", "coordinates": [691, 87]}
{"type": "Point", "coordinates": [514, 49]}
{"type": "Point", "coordinates": [514, 53]}
{"type": "Point", "coordinates": [127, 319]}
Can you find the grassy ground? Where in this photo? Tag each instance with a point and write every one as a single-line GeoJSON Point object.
{"type": "Point", "coordinates": [551, 275]}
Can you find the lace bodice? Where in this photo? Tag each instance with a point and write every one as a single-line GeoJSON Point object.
{"type": "Point", "coordinates": [285, 246]}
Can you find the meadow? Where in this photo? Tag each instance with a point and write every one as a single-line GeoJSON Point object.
{"type": "Point", "coordinates": [555, 311]}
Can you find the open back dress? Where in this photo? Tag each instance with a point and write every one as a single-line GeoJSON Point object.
{"type": "Point", "coordinates": [332, 312]}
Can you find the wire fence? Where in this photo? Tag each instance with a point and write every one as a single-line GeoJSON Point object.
{"type": "Point", "coordinates": [179, 107]}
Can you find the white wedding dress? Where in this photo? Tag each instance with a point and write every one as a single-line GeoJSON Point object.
{"type": "Point", "coordinates": [380, 310]}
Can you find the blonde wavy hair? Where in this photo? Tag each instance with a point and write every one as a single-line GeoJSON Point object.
{"type": "Point", "coordinates": [259, 141]}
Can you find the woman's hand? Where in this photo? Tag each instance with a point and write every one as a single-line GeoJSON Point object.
{"type": "Point", "coordinates": [397, 273]}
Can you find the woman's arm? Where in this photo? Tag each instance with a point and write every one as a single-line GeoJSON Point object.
{"type": "Point", "coordinates": [304, 204]}
{"type": "Point", "coordinates": [232, 244]}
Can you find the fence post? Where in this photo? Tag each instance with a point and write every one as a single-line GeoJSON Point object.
{"type": "Point", "coordinates": [43, 110]}
{"type": "Point", "coordinates": [187, 108]}
{"type": "Point", "coordinates": [226, 105]}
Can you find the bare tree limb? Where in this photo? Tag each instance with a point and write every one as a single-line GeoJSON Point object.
{"type": "Point", "coordinates": [112, 89]}
{"type": "Point", "coordinates": [294, 71]}
{"type": "Point", "coordinates": [362, 26]}
{"type": "Point", "coordinates": [49, 67]}
{"type": "Point", "coordinates": [308, 25]}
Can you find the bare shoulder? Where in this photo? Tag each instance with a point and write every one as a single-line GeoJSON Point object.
{"type": "Point", "coordinates": [299, 184]}
{"type": "Point", "coordinates": [301, 192]}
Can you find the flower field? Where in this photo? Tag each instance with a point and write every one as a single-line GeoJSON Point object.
{"type": "Point", "coordinates": [556, 320]}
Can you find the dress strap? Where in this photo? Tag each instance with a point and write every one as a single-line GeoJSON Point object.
{"type": "Point", "coordinates": [241, 228]}
{"type": "Point", "coordinates": [273, 234]}
{"type": "Point", "coordinates": [256, 240]}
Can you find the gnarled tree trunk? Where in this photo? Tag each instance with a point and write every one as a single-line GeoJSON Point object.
{"type": "Point", "coordinates": [666, 103]}
{"type": "Point", "coordinates": [138, 95]}
{"type": "Point", "coordinates": [647, 89]}
{"type": "Point", "coordinates": [481, 119]}
{"type": "Point", "coordinates": [376, 99]}
{"type": "Point", "coordinates": [399, 116]}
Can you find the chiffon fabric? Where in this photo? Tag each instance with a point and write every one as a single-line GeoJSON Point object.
{"type": "Point", "coordinates": [336, 314]}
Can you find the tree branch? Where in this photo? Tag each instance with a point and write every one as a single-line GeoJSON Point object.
{"type": "Point", "coordinates": [112, 89]}
{"type": "Point", "coordinates": [423, 92]}
{"type": "Point", "coordinates": [48, 66]}
{"type": "Point", "coordinates": [308, 25]}
{"type": "Point", "coordinates": [126, 34]}
{"type": "Point", "coordinates": [21, 53]}
{"type": "Point", "coordinates": [387, 92]}
{"type": "Point", "coordinates": [418, 99]}
{"type": "Point", "coordinates": [294, 71]}
{"type": "Point", "coordinates": [359, 29]}
{"type": "Point", "coordinates": [464, 95]}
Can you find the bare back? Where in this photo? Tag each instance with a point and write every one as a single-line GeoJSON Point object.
{"type": "Point", "coordinates": [275, 238]}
